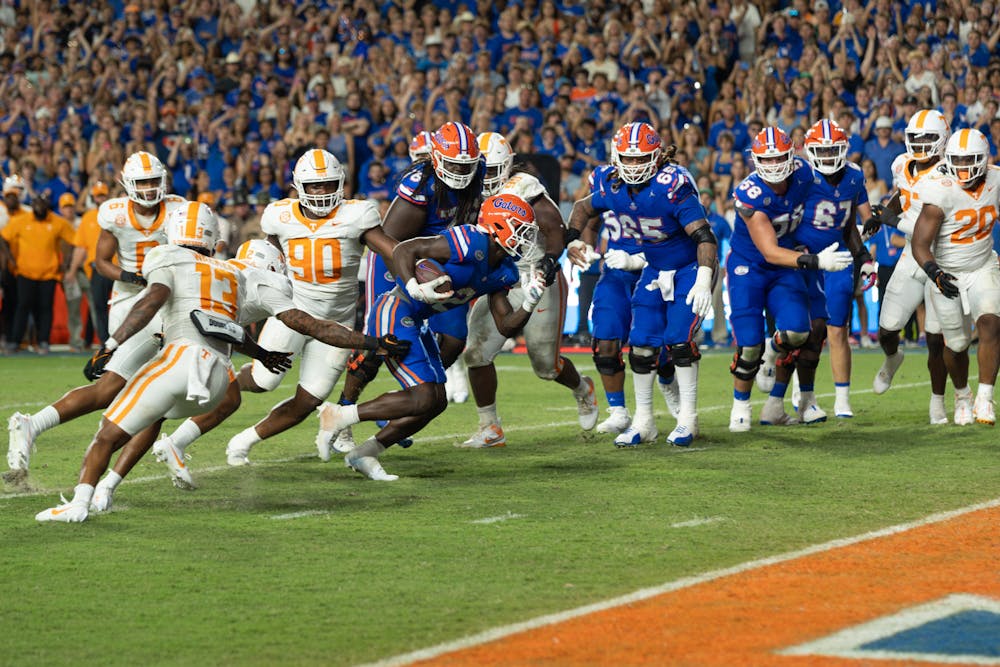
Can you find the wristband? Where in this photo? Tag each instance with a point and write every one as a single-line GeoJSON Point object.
{"type": "Point", "coordinates": [570, 235]}
{"type": "Point", "coordinates": [931, 268]}
{"type": "Point", "coordinates": [862, 257]}
{"type": "Point", "coordinates": [111, 344]}
{"type": "Point", "coordinates": [808, 261]}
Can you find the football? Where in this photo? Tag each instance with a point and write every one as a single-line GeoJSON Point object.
{"type": "Point", "coordinates": [427, 270]}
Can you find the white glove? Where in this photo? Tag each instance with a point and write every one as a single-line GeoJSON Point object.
{"type": "Point", "coordinates": [831, 259]}
{"type": "Point", "coordinates": [700, 296]}
{"type": "Point", "coordinates": [587, 254]}
{"type": "Point", "coordinates": [619, 259]}
{"type": "Point", "coordinates": [425, 291]}
{"type": "Point", "coordinates": [533, 285]}
{"type": "Point", "coordinates": [867, 277]}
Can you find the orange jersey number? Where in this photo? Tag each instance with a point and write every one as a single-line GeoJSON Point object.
{"type": "Point", "coordinates": [218, 290]}
{"type": "Point", "coordinates": [315, 261]}
{"type": "Point", "coordinates": [977, 224]}
{"type": "Point", "coordinates": [141, 248]}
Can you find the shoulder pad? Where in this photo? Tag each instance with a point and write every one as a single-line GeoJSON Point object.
{"type": "Point", "coordinates": [166, 256]}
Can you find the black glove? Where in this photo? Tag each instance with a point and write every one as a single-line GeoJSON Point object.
{"type": "Point", "coordinates": [872, 224]}
{"type": "Point", "coordinates": [394, 347]}
{"type": "Point", "coordinates": [134, 278]}
{"type": "Point", "coordinates": [549, 266]}
{"type": "Point", "coordinates": [944, 281]}
{"type": "Point", "coordinates": [276, 362]}
{"type": "Point", "coordinates": [95, 365]}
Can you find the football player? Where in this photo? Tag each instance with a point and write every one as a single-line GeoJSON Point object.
{"type": "Point", "coordinates": [200, 299]}
{"type": "Point", "coordinates": [761, 270]}
{"type": "Point", "coordinates": [131, 227]}
{"type": "Point", "coordinates": [322, 237]}
{"type": "Point", "coordinates": [838, 195]}
{"type": "Point", "coordinates": [953, 244]}
{"type": "Point", "coordinates": [661, 229]}
{"type": "Point", "coordinates": [478, 260]}
{"type": "Point", "coordinates": [926, 135]}
{"type": "Point", "coordinates": [543, 332]}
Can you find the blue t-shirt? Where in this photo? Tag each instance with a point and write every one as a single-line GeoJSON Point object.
{"type": "Point", "coordinates": [829, 208]}
{"type": "Point", "coordinates": [785, 211]}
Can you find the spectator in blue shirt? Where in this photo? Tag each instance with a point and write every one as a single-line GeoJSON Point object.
{"type": "Point", "coordinates": [591, 151]}
{"type": "Point", "coordinates": [731, 123]}
{"type": "Point", "coordinates": [882, 149]}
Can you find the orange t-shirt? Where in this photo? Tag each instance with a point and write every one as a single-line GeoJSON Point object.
{"type": "Point", "coordinates": [86, 237]}
{"type": "Point", "coordinates": [35, 244]}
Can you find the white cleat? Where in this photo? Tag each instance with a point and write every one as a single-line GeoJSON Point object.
{"type": "Point", "coordinates": [586, 406]}
{"type": "Point", "coordinates": [103, 498]}
{"type": "Point", "coordinates": [984, 412]}
{"type": "Point", "coordinates": [370, 467]}
{"type": "Point", "coordinates": [486, 437]}
{"type": "Point", "coordinates": [21, 441]}
{"type": "Point", "coordinates": [672, 396]}
{"type": "Point", "coordinates": [883, 379]}
{"type": "Point", "coordinates": [767, 372]}
{"type": "Point", "coordinates": [636, 434]}
{"type": "Point", "coordinates": [617, 422]}
{"type": "Point", "coordinates": [938, 415]}
{"type": "Point", "coordinates": [165, 452]}
{"type": "Point", "coordinates": [344, 442]}
{"type": "Point", "coordinates": [963, 410]}
{"type": "Point", "coordinates": [842, 408]}
{"type": "Point", "coordinates": [740, 418]}
{"type": "Point", "coordinates": [684, 433]}
{"type": "Point", "coordinates": [66, 513]}
{"type": "Point", "coordinates": [811, 414]}
{"type": "Point", "coordinates": [331, 422]}
{"type": "Point", "coordinates": [236, 454]}
{"type": "Point", "coordinates": [773, 414]}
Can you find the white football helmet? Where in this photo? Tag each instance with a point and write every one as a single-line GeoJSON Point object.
{"type": "Point", "coordinates": [966, 156]}
{"type": "Point", "coordinates": [319, 166]}
{"type": "Point", "coordinates": [193, 226]}
{"type": "Point", "coordinates": [144, 178]}
{"type": "Point", "coordinates": [261, 254]}
{"type": "Point", "coordinates": [13, 182]}
{"type": "Point", "coordinates": [925, 135]}
{"type": "Point", "coordinates": [499, 158]}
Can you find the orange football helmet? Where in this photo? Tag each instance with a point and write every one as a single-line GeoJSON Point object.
{"type": "Point", "coordinates": [455, 155]}
{"type": "Point", "coordinates": [420, 146]}
{"type": "Point", "coordinates": [826, 147]}
{"type": "Point", "coordinates": [772, 156]}
{"type": "Point", "coordinates": [640, 144]}
{"type": "Point", "coordinates": [511, 222]}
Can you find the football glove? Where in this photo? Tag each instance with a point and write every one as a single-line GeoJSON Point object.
{"type": "Point", "coordinates": [134, 278]}
{"type": "Point", "coordinates": [619, 259]}
{"type": "Point", "coordinates": [549, 266]}
{"type": "Point", "coordinates": [867, 277]}
{"type": "Point", "coordinates": [534, 287]}
{"type": "Point", "coordinates": [96, 364]}
{"type": "Point", "coordinates": [831, 259]}
{"type": "Point", "coordinates": [700, 296]}
{"type": "Point", "coordinates": [394, 347]}
{"type": "Point", "coordinates": [276, 362]}
{"type": "Point", "coordinates": [425, 292]}
{"type": "Point", "coordinates": [945, 281]}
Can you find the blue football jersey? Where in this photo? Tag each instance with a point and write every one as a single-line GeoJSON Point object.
{"type": "Point", "coordinates": [441, 210]}
{"type": "Point", "coordinates": [469, 269]}
{"type": "Point", "coordinates": [651, 219]}
{"type": "Point", "coordinates": [785, 211]}
{"type": "Point", "coordinates": [829, 208]}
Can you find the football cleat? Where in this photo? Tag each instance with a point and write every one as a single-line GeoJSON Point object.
{"type": "Point", "coordinates": [344, 442]}
{"type": "Point", "coordinates": [104, 495]}
{"type": "Point", "coordinates": [768, 368]}
{"type": "Point", "coordinates": [165, 452]}
{"type": "Point", "coordinates": [587, 406]}
{"type": "Point", "coordinates": [617, 422]}
{"type": "Point", "coordinates": [842, 408]}
{"type": "Point", "coordinates": [66, 513]}
{"type": "Point", "coordinates": [331, 422]}
{"type": "Point", "coordinates": [938, 415]}
{"type": "Point", "coordinates": [370, 467]}
{"type": "Point", "coordinates": [672, 396]}
{"type": "Point", "coordinates": [684, 433]}
{"type": "Point", "coordinates": [236, 454]}
{"type": "Point", "coordinates": [773, 414]}
{"type": "Point", "coordinates": [21, 441]}
{"type": "Point", "coordinates": [740, 417]}
{"type": "Point", "coordinates": [487, 436]}
{"type": "Point", "coordinates": [883, 379]}
{"type": "Point", "coordinates": [963, 409]}
{"type": "Point", "coordinates": [811, 414]}
{"type": "Point", "coordinates": [984, 412]}
{"type": "Point", "coordinates": [636, 434]}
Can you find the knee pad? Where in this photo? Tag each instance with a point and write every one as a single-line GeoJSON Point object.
{"type": "Point", "coordinates": [609, 365]}
{"type": "Point", "coordinates": [364, 366]}
{"type": "Point", "coordinates": [642, 360]}
{"type": "Point", "coordinates": [790, 340]}
{"type": "Point", "coordinates": [747, 361]}
{"type": "Point", "coordinates": [684, 354]}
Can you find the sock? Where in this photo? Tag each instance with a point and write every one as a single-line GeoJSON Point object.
{"type": "Point", "coordinates": [44, 419]}
{"type": "Point", "coordinates": [370, 447]}
{"type": "Point", "coordinates": [111, 480]}
{"type": "Point", "coordinates": [344, 401]}
{"type": "Point", "coordinates": [741, 404]}
{"type": "Point", "coordinates": [582, 389]}
{"type": "Point", "coordinates": [803, 388]}
{"type": "Point", "coordinates": [616, 399]}
{"type": "Point", "coordinates": [937, 401]}
{"type": "Point", "coordinates": [82, 494]}
{"type": "Point", "coordinates": [964, 392]}
{"type": "Point", "coordinates": [985, 392]}
{"type": "Point", "coordinates": [184, 435]}
{"type": "Point", "coordinates": [488, 415]}
{"type": "Point", "coordinates": [246, 438]}
{"type": "Point", "coordinates": [742, 396]}
{"type": "Point", "coordinates": [779, 390]}
{"type": "Point", "coordinates": [643, 383]}
{"type": "Point", "coordinates": [842, 390]}
{"type": "Point", "coordinates": [687, 385]}
{"type": "Point", "coordinates": [350, 414]}
{"type": "Point", "coordinates": [666, 380]}
{"type": "Point", "coordinates": [807, 397]}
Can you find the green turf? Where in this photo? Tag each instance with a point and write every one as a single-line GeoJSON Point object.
{"type": "Point", "coordinates": [211, 577]}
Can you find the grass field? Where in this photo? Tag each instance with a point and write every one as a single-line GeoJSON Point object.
{"type": "Point", "coordinates": [293, 561]}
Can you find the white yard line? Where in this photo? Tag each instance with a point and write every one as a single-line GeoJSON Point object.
{"type": "Point", "coordinates": [298, 515]}
{"type": "Point", "coordinates": [686, 582]}
{"type": "Point", "coordinates": [498, 519]}
{"type": "Point", "coordinates": [698, 522]}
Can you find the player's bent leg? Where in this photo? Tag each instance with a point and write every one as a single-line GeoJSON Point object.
{"type": "Point", "coordinates": [988, 355]}
{"type": "Point", "coordinates": [131, 453]}
{"type": "Point", "coordinates": [941, 360]}
{"type": "Point", "coordinates": [607, 355]}
{"type": "Point", "coordinates": [744, 368]}
{"type": "Point", "coordinates": [840, 364]}
{"type": "Point", "coordinates": [483, 345]}
{"type": "Point", "coordinates": [685, 357]}
{"type": "Point", "coordinates": [806, 364]}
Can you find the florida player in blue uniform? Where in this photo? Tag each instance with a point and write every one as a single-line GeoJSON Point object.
{"type": "Point", "coordinates": [837, 197]}
{"type": "Point", "coordinates": [662, 234]}
{"type": "Point", "coordinates": [477, 260]}
{"type": "Point", "coordinates": [761, 269]}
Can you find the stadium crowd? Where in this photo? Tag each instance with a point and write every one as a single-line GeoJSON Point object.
{"type": "Point", "coordinates": [229, 94]}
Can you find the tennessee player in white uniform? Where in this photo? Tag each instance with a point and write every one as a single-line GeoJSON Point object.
{"type": "Point", "coordinates": [191, 373]}
{"type": "Point", "coordinates": [322, 238]}
{"type": "Point", "coordinates": [543, 332]}
{"type": "Point", "coordinates": [953, 244]}
{"type": "Point", "coordinates": [926, 134]}
{"type": "Point", "coordinates": [131, 227]}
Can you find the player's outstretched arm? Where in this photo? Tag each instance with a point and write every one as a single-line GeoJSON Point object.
{"type": "Point", "coordinates": [332, 333]}
{"type": "Point", "coordinates": [276, 362]}
{"type": "Point", "coordinates": [141, 314]}
{"type": "Point", "coordinates": [378, 241]}
{"type": "Point", "coordinates": [509, 320]}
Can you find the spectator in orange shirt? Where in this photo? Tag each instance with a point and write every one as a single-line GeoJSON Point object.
{"type": "Point", "coordinates": [35, 241]}
{"type": "Point", "coordinates": [13, 190]}
{"type": "Point", "coordinates": [83, 258]}
{"type": "Point", "coordinates": [72, 290]}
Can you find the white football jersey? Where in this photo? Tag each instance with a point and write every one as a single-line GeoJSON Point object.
{"type": "Point", "coordinates": [196, 282]}
{"type": "Point", "coordinates": [529, 188]}
{"type": "Point", "coordinates": [907, 175]}
{"type": "Point", "coordinates": [323, 255]}
{"type": "Point", "coordinates": [965, 240]}
{"type": "Point", "coordinates": [135, 237]}
{"type": "Point", "coordinates": [267, 293]}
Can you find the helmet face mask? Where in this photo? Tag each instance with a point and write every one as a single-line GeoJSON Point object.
{"type": "Point", "coordinates": [314, 170]}
{"type": "Point", "coordinates": [966, 156]}
{"type": "Point", "coordinates": [144, 179]}
{"type": "Point", "coordinates": [926, 134]}
{"type": "Point", "coordinates": [826, 147]}
{"type": "Point", "coordinates": [635, 153]}
{"type": "Point", "coordinates": [772, 155]}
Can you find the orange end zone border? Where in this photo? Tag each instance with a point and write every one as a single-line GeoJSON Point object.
{"type": "Point", "coordinates": [747, 615]}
